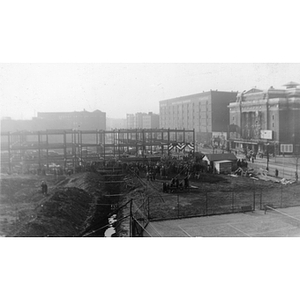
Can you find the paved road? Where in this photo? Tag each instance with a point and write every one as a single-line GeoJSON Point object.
{"type": "Point", "coordinates": [286, 166]}
{"type": "Point", "coordinates": [286, 169]}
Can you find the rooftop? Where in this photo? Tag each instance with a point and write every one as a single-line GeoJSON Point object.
{"type": "Point", "coordinates": [221, 156]}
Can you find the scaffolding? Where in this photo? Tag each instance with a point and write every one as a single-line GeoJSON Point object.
{"type": "Point", "coordinates": [72, 148]}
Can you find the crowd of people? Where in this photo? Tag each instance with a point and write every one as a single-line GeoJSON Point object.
{"type": "Point", "coordinates": [176, 184]}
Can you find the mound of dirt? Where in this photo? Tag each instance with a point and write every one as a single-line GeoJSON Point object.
{"type": "Point", "coordinates": [64, 213]}
{"type": "Point", "coordinates": [67, 210]}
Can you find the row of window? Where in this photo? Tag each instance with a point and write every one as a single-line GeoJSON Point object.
{"type": "Point", "coordinates": [273, 117]}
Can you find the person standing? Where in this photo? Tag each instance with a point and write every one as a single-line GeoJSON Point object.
{"type": "Point", "coordinates": [44, 188]}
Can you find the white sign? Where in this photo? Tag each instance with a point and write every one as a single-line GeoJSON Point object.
{"type": "Point", "coordinates": [286, 148]}
{"type": "Point", "coordinates": [266, 134]}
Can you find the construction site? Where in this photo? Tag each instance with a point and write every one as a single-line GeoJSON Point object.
{"type": "Point", "coordinates": [127, 183]}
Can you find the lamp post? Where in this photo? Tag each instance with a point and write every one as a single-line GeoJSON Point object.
{"type": "Point", "coordinates": [267, 156]}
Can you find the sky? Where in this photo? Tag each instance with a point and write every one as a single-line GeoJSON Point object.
{"type": "Point", "coordinates": [121, 88]}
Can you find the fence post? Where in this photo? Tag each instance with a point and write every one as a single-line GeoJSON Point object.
{"type": "Point", "coordinates": [253, 200]}
{"type": "Point", "coordinates": [281, 196]}
{"type": "Point", "coordinates": [232, 201]}
{"type": "Point", "coordinates": [260, 199]}
{"type": "Point", "coordinates": [177, 206]}
{"type": "Point", "coordinates": [206, 204]}
{"type": "Point", "coordinates": [148, 208]}
{"type": "Point", "coordinates": [130, 222]}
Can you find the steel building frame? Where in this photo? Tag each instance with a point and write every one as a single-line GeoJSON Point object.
{"type": "Point", "coordinates": [73, 146]}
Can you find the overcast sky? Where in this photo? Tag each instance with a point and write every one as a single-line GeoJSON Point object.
{"type": "Point", "coordinates": [117, 89]}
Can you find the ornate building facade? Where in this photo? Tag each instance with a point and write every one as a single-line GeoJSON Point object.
{"type": "Point", "coordinates": [266, 120]}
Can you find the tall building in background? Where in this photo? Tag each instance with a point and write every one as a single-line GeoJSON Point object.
{"type": "Point", "coordinates": [112, 123]}
{"type": "Point", "coordinates": [82, 120]}
{"type": "Point", "coordinates": [142, 120]}
{"type": "Point", "coordinates": [138, 120]}
{"type": "Point", "coordinates": [205, 112]}
{"type": "Point", "coordinates": [8, 124]}
{"type": "Point", "coordinates": [150, 121]}
{"type": "Point", "coordinates": [130, 121]}
{"type": "Point", "coordinates": [266, 120]}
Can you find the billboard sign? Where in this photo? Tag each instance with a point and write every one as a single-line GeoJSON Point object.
{"type": "Point", "coordinates": [266, 134]}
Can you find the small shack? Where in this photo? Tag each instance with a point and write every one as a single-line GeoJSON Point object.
{"type": "Point", "coordinates": [221, 163]}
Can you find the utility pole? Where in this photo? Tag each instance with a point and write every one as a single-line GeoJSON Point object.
{"type": "Point", "coordinates": [267, 156]}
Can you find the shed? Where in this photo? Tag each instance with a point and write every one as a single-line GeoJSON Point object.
{"type": "Point", "coordinates": [222, 163]}
{"type": "Point", "coordinates": [223, 166]}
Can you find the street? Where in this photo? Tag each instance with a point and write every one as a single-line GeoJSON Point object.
{"type": "Point", "coordinates": [286, 165]}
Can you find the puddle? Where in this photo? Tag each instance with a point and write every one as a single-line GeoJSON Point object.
{"type": "Point", "coordinates": [111, 230]}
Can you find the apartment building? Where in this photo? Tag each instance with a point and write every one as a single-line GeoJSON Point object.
{"type": "Point", "coordinates": [205, 112]}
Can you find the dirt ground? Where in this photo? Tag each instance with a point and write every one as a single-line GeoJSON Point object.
{"type": "Point", "coordinates": [66, 210]}
{"type": "Point", "coordinates": [70, 206]}
{"type": "Point", "coordinates": [210, 195]}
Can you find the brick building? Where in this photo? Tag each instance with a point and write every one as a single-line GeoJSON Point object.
{"type": "Point", "coordinates": [266, 120]}
{"type": "Point", "coordinates": [205, 112]}
{"type": "Point", "coordinates": [81, 120]}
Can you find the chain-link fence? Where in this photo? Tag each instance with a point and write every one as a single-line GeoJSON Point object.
{"type": "Point", "coordinates": [205, 204]}
{"type": "Point", "coordinates": [285, 196]}
{"type": "Point", "coordinates": [175, 206]}
{"type": "Point", "coordinates": [139, 219]}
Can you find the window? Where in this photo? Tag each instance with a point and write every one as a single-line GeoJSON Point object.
{"type": "Point", "coordinates": [286, 148]}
